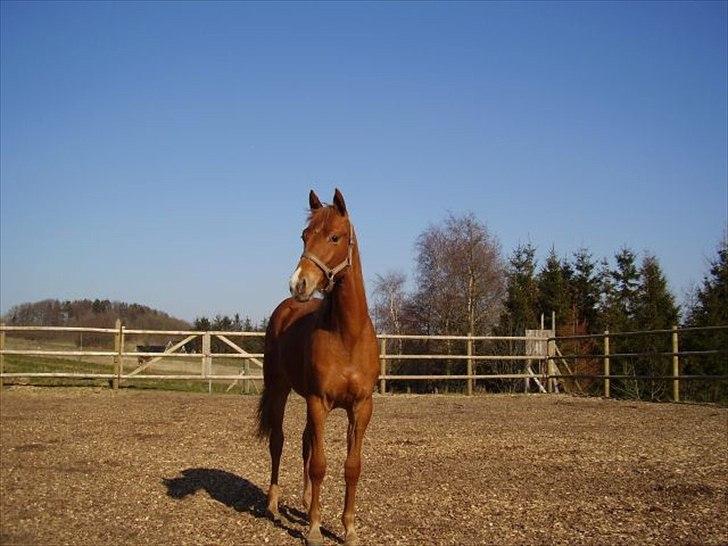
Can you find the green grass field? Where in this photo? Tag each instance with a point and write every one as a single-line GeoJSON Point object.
{"type": "Point", "coordinates": [39, 364]}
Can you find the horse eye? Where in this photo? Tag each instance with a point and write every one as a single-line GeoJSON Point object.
{"type": "Point", "coordinates": [334, 238]}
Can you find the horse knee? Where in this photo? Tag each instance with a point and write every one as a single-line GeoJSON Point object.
{"type": "Point", "coordinates": [317, 469]}
{"type": "Point", "coordinates": [352, 471]}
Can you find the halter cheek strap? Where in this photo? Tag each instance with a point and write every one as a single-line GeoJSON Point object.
{"type": "Point", "coordinates": [331, 272]}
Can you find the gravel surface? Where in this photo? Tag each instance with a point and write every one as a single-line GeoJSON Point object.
{"type": "Point", "coordinates": [93, 466]}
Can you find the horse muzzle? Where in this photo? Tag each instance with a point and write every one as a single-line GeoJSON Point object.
{"type": "Point", "coordinates": [302, 285]}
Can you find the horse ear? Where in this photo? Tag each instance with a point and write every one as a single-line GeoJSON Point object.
{"type": "Point", "coordinates": [339, 202]}
{"type": "Point", "coordinates": [313, 201]}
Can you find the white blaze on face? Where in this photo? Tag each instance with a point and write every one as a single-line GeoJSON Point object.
{"type": "Point", "coordinates": [294, 281]}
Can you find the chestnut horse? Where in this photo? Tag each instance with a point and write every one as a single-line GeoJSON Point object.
{"type": "Point", "coordinates": [326, 351]}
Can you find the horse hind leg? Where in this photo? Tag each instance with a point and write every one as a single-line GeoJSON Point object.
{"type": "Point", "coordinates": [275, 446]}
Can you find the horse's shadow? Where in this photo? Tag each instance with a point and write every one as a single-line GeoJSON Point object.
{"type": "Point", "coordinates": [240, 494]}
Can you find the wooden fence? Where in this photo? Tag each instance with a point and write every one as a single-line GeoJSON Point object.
{"type": "Point", "coordinates": [541, 349]}
{"type": "Point", "coordinates": [608, 356]}
{"type": "Point", "coordinates": [142, 359]}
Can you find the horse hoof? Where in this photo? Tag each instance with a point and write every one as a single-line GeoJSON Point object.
{"type": "Point", "coordinates": [352, 540]}
{"type": "Point", "coordinates": [275, 516]}
{"type": "Point", "coordinates": [315, 538]}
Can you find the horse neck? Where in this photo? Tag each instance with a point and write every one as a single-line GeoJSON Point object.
{"type": "Point", "coordinates": [349, 312]}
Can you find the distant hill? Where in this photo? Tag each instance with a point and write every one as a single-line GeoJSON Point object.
{"type": "Point", "coordinates": [93, 313]}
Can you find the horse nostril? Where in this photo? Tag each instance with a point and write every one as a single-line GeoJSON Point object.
{"type": "Point", "coordinates": [301, 286]}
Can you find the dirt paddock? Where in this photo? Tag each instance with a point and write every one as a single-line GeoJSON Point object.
{"type": "Point", "coordinates": [93, 466]}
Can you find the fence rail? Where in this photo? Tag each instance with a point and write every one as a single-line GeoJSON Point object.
{"type": "Point", "coordinates": [546, 354]}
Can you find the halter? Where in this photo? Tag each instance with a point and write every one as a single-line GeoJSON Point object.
{"type": "Point", "coordinates": [330, 273]}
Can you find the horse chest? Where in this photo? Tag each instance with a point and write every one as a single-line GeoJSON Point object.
{"type": "Point", "coordinates": [340, 374]}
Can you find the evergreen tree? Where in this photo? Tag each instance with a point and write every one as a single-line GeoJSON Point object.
{"type": "Point", "coordinates": [626, 280]}
{"type": "Point", "coordinates": [710, 308]}
{"type": "Point", "coordinates": [585, 290]}
{"type": "Point", "coordinates": [553, 288]}
{"type": "Point", "coordinates": [654, 309]}
{"type": "Point", "coordinates": [521, 304]}
{"type": "Point", "coordinates": [619, 292]}
{"type": "Point", "coordinates": [655, 306]}
{"type": "Point", "coordinates": [617, 314]}
{"type": "Point", "coordinates": [237, 324]}
{"type": "Point", "coordinates": [248, 325]}
{"type": "Point", "coordinates": [201, 324]}
{"type": "Point", "coordinates": [711, 305]}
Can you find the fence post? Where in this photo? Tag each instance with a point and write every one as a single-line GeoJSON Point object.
{"type": "Point", "coordinates": [2, 356]}
{"type": "Point", "coordinates": [382, 365]}
{"type": "Point", "coordinates": [550, 365]}
{"type": "Point", "coordinates": [606, 364]}
{"type": "Point", "coordinates": [206, 359]}
{"type": "Point", "coordinates": [117, 357]}
{"type": "Point", "coordinates": [675, 367]}
{"type": "Point", "coordinates": [470, 366]}
{"type": "Point", "coordinates": [246, 382]}
{"type": "Point", "coordinates": [122, 339]}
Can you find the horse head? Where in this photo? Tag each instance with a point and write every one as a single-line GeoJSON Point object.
{"type": "Point", "coordinates": [328, 241]}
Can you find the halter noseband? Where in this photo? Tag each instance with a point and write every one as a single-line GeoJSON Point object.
{"type": "Point", "coordinates": [330, 273]}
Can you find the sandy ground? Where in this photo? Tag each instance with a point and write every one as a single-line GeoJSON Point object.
{"type": "Point", "coordinates": [93, 466]}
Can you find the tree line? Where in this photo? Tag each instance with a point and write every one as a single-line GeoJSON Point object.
{"type": "Point", "coordinates": [96, 313]}
{"type": "Point", "coordinates": [103, 313]}
{"type": "Point", "coordinates": [225, 323]}
{"type": "Point", "coordinates": [463, 284]}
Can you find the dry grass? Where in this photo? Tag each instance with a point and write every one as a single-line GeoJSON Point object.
{"type": "Point", "coordinates": [93, 466]}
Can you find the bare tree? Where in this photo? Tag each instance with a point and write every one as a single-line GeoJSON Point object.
{"type": "Point", "coordinates": [389, 300]}
{"type": "Point", "coordinates": [460, 276]}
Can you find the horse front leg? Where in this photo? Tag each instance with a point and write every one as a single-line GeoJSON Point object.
{"type": "Point", "coordinates": [315, 421]}
{"type": "Point", "coordinates": [359, 417]}
{"type": "Point", "coordinates": [306, 453]}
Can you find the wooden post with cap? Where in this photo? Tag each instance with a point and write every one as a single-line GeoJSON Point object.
{"type": "Point", "coordinates": [606, 364]}
{"type": "Point", "coordinates": [2, 356]}
{"type": "Point", "coordinates": [470, 366]}
{"type": "Point", "coordinates": [118, 349]}
{"type": "Point", "coordinates": [675, 366]}
{"type": "Point", "coordinates": [382, 365]}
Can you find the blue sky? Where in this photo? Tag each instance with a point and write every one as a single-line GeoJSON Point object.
{"type": "Point", "coordinates": [162, 152]}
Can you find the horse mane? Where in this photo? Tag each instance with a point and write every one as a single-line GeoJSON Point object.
{"type": "Point", "coordinates": [319, 215]}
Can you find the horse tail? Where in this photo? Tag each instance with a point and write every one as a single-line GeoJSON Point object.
{"type": "Point", "coordinates": [263, 415]}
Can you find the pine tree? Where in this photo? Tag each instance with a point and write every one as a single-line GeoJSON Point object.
{"type": "Point", "coordinates": [521, 304]}
{"type": "Point", "coordinates": [711, 306]}
{"type": "Point", "coordinates": [617, 314]}
{"type": "Point", "coordinates": [248, 325]}
{"type": "Point", "coordinates": [553, 288]}
{"type": "Point", "coordinates": [237, 324]}
{"type": "Point", "coordinates": [626, 279]}
{"type": "Point", "coordinates": [654, 309]}
{"type": "Point", "coordinates": [619, 292]}
{"type": "Point", "coordinates": [710, 309]}
{"type": "Point", "coordinates": [655, 306]}
{"type": "Point", "coordinates": [585, 290]}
